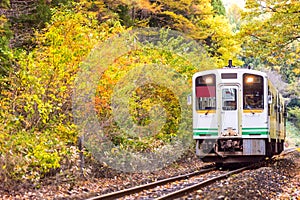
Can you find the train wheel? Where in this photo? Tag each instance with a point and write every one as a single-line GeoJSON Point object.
{"type": "Point", "coordinates": [270, 149]}
{"type": "Point", "coordinates": [219, 165]}
{"type": "Point", "coordinates": [281, 146]}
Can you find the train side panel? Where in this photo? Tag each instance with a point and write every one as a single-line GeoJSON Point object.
{"type": "Point", "coordinates": [277, 118]}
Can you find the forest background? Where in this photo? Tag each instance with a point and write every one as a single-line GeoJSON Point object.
{"type": "Point", "coordinates": [43, 42]}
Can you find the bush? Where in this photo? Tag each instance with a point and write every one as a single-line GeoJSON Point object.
{"type": "Point", "coordinates": [37, 134]}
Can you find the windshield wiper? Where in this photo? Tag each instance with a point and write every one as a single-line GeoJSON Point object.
{"type": "Point", "coordinates": [250, 109]}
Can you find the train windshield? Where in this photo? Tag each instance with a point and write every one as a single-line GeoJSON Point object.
{"type": "Point", "coordinates": [229, 97]}
{"type": "Point", "coordinates": [253, 92]}
{"type": "Point", "coordinates": [206, 92]}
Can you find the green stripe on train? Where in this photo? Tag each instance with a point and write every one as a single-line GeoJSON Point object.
{"type": "Point", "coordinates": [245, 131]}
{"type": "Point", "coordinates": [263, 128]}
{"type": "Point", "coordinates": [255, 132]}
{"type": "Point", "coordinates": [205, 129]}
{"type": "Point", "coordinates": [205, 133]}
{"type": "Point", "coordinates": [216, 133]}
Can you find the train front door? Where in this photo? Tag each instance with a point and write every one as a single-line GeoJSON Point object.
{"type": "Point", "coordinates": [228, 121]}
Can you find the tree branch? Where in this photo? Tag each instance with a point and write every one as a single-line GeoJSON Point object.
{"type": "Point", "coordinates": [256, 37]}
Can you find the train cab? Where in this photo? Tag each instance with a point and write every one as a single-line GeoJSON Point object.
{"type": "Point", "coordinates": [233, 117]}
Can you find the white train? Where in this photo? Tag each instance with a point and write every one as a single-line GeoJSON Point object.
{"type": "Point", "coordinates": [238, 116]}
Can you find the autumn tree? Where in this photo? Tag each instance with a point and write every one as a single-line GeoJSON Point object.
{"type": "Point", "coordinates": [198, 19]}
{"type": "Point", "coordinates": [53, 37]}
{"type": "Point", "coordinates": [36, 110]}
{"type": "Point", "coordinates": [271, 36]}
{"type": "Point", "coordinates": [272, 32]}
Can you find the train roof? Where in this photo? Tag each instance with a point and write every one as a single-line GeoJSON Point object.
{"type": "Point", "coordinates": [235, 70]}
{"type": "Point", "coordinates": [231, 70]}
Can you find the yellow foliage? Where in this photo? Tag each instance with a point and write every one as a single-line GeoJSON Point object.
{"type": "Point", "coordinates": [271, 30]}
{"type": "Point", "coordinates": [223, 44]}
{"type": "Point", "coordinates": [179, 22]}
{"type": "Point", "coordinates": [296, 71]}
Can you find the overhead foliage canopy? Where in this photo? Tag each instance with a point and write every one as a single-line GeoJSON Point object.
{"type": "Point", "coordinates": [272, 32]}
{"type": "Point", "coordinates": [202, 20]}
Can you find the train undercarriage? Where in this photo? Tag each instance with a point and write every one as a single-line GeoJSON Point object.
{"type": "Point", "coordinates": [237, 150]}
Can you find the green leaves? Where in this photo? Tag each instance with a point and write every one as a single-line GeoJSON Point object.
{"type": "Point", "coordinates": [272, 31]}
{"type": "Point", "coordinates": [30, 155]}
{"type": "Point", "coordinates": [6, 54]}
{"type": "Point", "coordinates": [218, 7]}
{"type": "Point", "coordinates": [37, 122]}
{"type": "Point", "coordinates": [36, 109]}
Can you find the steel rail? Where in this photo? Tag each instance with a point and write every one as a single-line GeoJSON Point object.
{"type": "Point", "coordinates": [139, 188]}
{"type": "Point", "coordinates": [187, 190]}
{"type": "Point", "coordinates": [288, 151]}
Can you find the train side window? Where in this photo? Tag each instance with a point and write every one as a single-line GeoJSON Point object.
{"type": "Point", "coordinates": [270, 102]}
{"type": "Point", "coordinates": [280, 115]}
{"type": "Point", "coordinates": [253, 92]}
{"type": "Point", "coordinates": [279, 109]}
{"type": "Point", "coordinates": [206, 92]}
{"type": "Point", "coordinates": [270, 99]}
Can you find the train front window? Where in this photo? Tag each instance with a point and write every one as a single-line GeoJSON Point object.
{"type": "Point", "coordinates": [253, 92]}
{"type": "Point", "coordinates": [206, 92]}
{"type": "Point", "coordinates": [229, 99]}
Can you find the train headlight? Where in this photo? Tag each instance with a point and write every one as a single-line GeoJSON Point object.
{"type": "Point", "coordinates": [249, 79]}
{"type": "Point", "coordinates": [209, 80]}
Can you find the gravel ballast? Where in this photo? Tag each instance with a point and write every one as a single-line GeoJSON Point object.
{"type": "Point", "coordinates": [279, 179]}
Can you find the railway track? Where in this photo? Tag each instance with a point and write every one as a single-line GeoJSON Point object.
{"type": "Point", "coordinates": [140, 188]}
{"type": "Point", "coordinates": [201, 184]}
{"type": "Point", "coordinates": [178, 186]}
